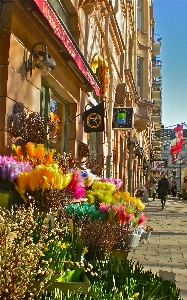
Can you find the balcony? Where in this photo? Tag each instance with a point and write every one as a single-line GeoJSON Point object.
{"type": "Point", "coordinates": [156, 95]}
{"type": "Point", "coordinates": [156, 119]}
{"type": "Point", "coordinates": [156, 71]}
{"type": "Point", "coordinates": [157, 83]}
{"type": "Point", "coordinates": [157, 102]}
{"type": "Point", "coordinates": [156, 48]}
{"type": "Point", "coordinates": [157, 144]}
{"type": "Point", "coordinates": [142, 114]}
{"type": "Point", "coordinates": [157, 156]}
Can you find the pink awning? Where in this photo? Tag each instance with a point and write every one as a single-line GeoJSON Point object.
{"type": "Point", "coordinates": [61, 33]}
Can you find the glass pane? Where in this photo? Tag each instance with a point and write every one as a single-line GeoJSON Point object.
{"type": "Point", "coordinates": [61, 12]}
{"type": "Point", "coordinates": [58, 115]}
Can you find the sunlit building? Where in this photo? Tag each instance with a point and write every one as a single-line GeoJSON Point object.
{"type": "Point", "coordinates": [62, 58]}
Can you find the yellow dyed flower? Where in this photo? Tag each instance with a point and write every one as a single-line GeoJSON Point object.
{"type": "Point", "coordinates": [132, 200]}
{"type": "Point", "coordinates": [139, 204]}
{"type": "Point", "coordinates": [17, 150]}
{"type": "Point", "coordinates": [40, 151]}
{"type": "Point", "coordinates": [30, 147]}
{"type": "Point", "coordinates": [117, 196]}
{"type": "Point", "coordinates": [126, 195]}
{"type": "Point", "coordinates": [42, 177]}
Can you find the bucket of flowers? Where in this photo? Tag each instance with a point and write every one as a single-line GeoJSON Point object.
{"type": "Point", "coordinates": [109, 219]}
{"type": "Point", "coordinates": [47, 183]}
{"type": "Point", "coordinates": [9, 170]}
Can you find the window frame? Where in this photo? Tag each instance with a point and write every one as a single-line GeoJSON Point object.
{"type": "Point", "coordinates": [46, 90]}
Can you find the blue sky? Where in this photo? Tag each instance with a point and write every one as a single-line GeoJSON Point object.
{"type": "Point", "coordinates": [171, 25]}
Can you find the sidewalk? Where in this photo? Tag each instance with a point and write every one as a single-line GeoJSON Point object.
{"type": "Point", "coordinates": [166, 249]}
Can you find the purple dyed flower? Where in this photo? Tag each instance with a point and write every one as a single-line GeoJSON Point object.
{"type": "Point", "coordinates": [10, 168]}
{"type": "Point", "coordinates": [118, 182]}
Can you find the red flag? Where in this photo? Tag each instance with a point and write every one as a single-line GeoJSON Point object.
{"type": "Point", "coordinates": [176, 140]}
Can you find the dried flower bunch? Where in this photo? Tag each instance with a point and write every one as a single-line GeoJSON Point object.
{"type": "Point", "coordinates": [20, 253]}
{"type": "Point", "coordinates": [36, 250]}
{"type": "Point", "coordinates": [32, 127]}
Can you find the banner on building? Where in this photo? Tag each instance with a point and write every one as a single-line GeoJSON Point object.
{"type": "Point", "coordinates": [94, 118]}
{"type": "Point", "coordinates": [159, 164]}
{"type": "Point", "coordinates": [122, 118]}
{"type": "Point", "coordinates": [176, 140]}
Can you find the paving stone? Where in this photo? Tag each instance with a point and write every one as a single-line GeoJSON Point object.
{"type": "Point", "coordinates": [166, 249]}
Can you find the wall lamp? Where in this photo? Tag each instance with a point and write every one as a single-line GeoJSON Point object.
{"type": "Point", "coordinates": [45, 62]}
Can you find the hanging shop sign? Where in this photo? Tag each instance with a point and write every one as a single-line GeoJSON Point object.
{"type": "Point", "coordinates": [94, 118]}
{"type": "Point", "coordinates": [62, 33]}
{"type": "Point", "coordinates": [122, 118]}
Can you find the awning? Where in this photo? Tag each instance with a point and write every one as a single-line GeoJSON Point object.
{"type": "Point", "coordinates": [63, 34]}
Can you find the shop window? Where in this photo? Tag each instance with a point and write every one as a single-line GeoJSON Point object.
{"type": "Point", "coordinates": [54, 108]}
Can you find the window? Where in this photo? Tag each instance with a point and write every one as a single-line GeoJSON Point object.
{"type": "Point", "coordinates": [166, 146]}
{"type": "Point", "coordinates": [55, 108]}
{"type": "Point", "coordinates": [140, 15]}
{"type": "Point", "coordinates": [140, 74]}
{"type": "Point", "coordinates": [61, 12]}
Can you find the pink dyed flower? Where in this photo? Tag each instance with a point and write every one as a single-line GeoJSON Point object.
{"type": "Point", "coordinates": [104, 207]}
{"type": "Point", "coordinates": [142, 219]}
{"type": "Point", "coordinates": [79, 191]}
{"type": "Point", "coordinates": [122, 215]}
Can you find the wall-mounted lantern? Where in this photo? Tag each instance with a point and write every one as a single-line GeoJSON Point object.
{"type": "Point", "coordinates": [45, 62]}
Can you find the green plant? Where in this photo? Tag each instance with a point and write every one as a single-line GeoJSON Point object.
{"type": "Point", "coordinates": [130, 280]}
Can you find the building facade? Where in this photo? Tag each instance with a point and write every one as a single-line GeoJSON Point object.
{"type": "Point", "coordinates": [97, 51]}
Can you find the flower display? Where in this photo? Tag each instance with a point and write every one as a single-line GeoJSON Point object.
{"type": "Point", "coordinates": [35, 153]}
{"type": "Point", "coordinates": [42, 177]}
{"type": "Point", "coordinates": [117, 213]}
{"type": "Point", "coordinates": [100, 192]}
{"type": "Point", "coordinates": [84, 211]}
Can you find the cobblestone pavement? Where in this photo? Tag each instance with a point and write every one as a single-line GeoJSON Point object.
{"type": "Point", "coordinates": [166, 249]}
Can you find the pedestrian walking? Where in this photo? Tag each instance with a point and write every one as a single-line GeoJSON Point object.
{"type": "Point", "coordinates": [163, 189]}
{"type": "Point", "coordinates": [153, 189]}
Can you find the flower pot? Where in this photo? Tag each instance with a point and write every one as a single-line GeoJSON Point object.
{"type": "Point", "coordinates": [9, 199]}
{"type": "Point", "coordinates": [120, 254]}
{"type": "Point", "coordinates": [134, 240]}
{"type": "Point", "coordinates": [80, 287]}
{"type": "Point", "coordinates": [4, 199]}
{"type": "Point", "coordinates": [145, 236]}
